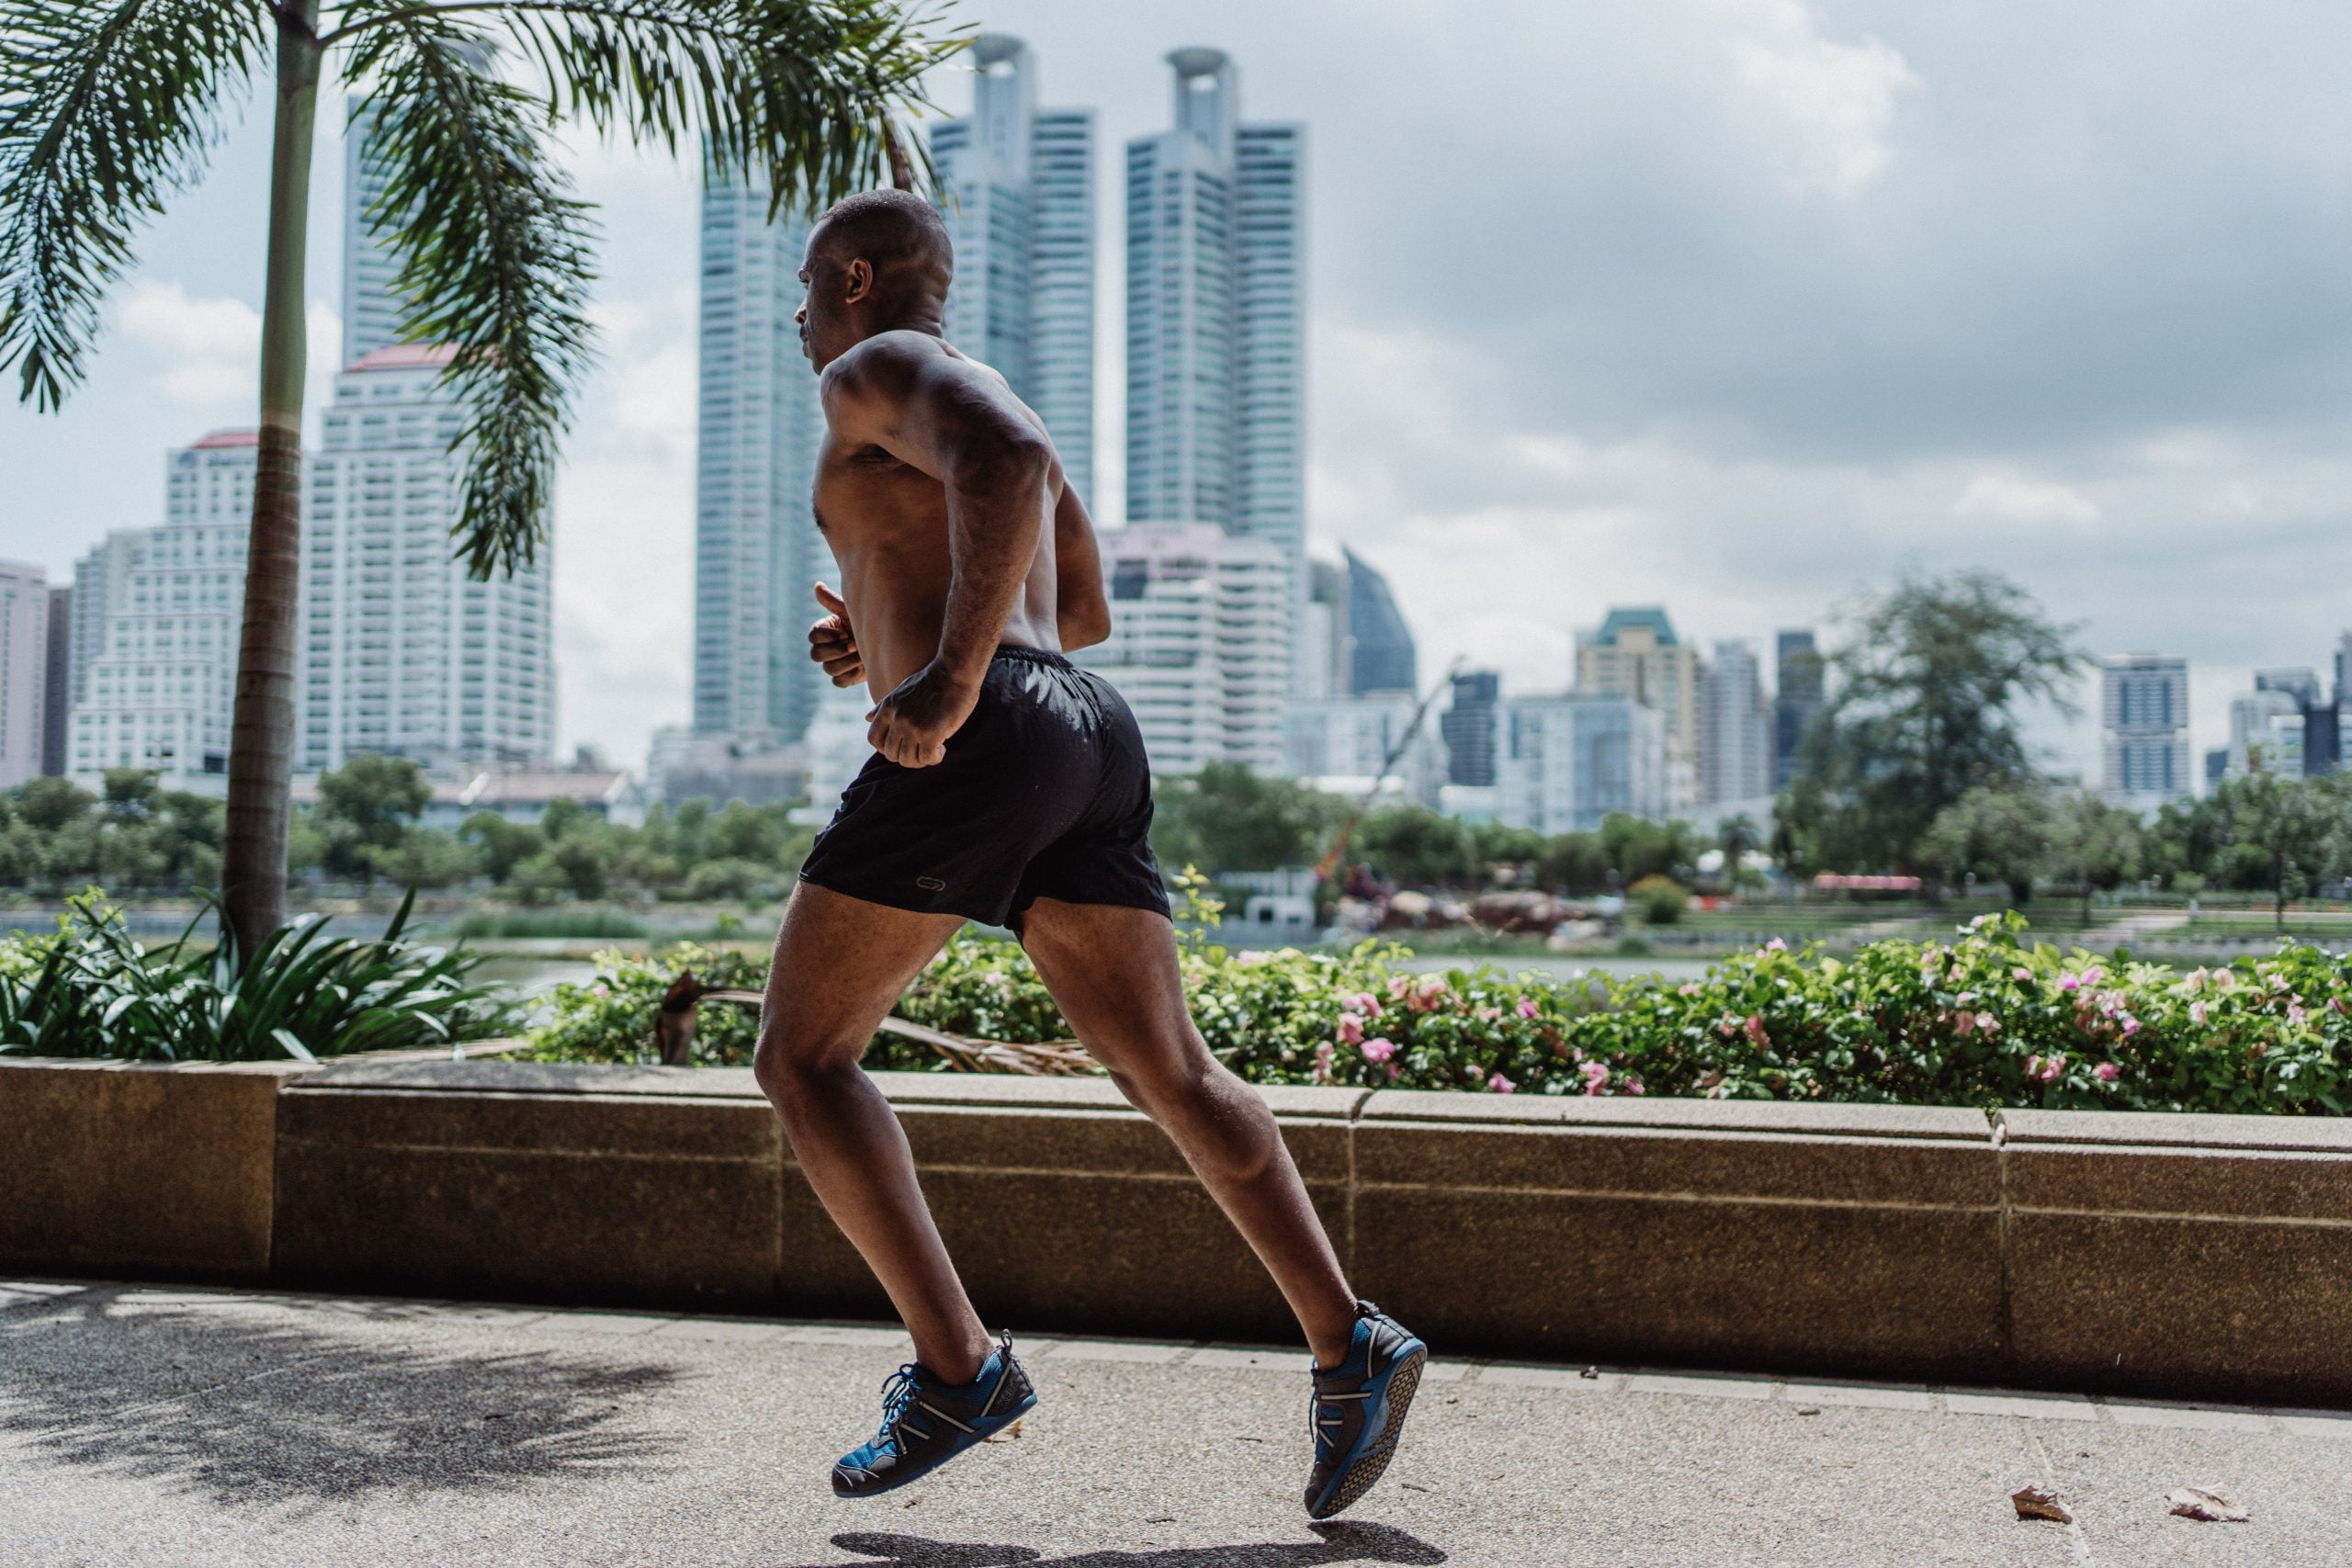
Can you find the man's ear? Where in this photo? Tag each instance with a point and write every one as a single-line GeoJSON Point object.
{"type": "Point", "coordinates": [857, 281]}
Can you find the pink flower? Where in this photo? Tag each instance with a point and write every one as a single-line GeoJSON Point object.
{"type": "Point", "coordinates": [2023, 975]}
{"type": "Point", "coordinates": [1399, 985]}
{"type": "Point", "coordinates": [2094, 974]}
{"type": "Point", "coordinates": [1364, 1003]}
{"type": "Point", "coordinates": [1965, 1023]}
{"type": "Point", "coordinates": [1351, 1028]}
{"type": "Point", "coordinates": [2068, 980]}
{"type": "Point", "coordinates": [1690, 989]}
{"type": "Point", "coordinates": [2052, 1066]}
{"type": "Point", "coordinates": [1776, 945]}
{"type": "Point", "coordinates": [1595, 1075]}
{"type": "Point", "coordinates": [2197, 1012]}
{"type": "Point", "coordinates": [2225, 978]}
{"type": "Point", "coordinates": [1379, 1049]}
{"type": "Point", "coordinates": [1500, 1084]}
{"type": "Point", "coordinates": [2296, 1015]}
{"type": "Point", "coordinates": [1527, 1007]}
{"type": "Point", "coordinates": [2131, 1025]}
{"type": "Point", "coordinates": [2107, 1072]}
{"type": "Point", "coordinates": [2337, 1003]}
{"type": "Point", "coordinates": [1987, 1024]}
{"type": "Point", "coordinates": [1323, 1063]}
{"type": "Point", "coordinates": [1754, 1027]}
{"type": "Point", "coordinates": [1488, 1015]}
{"type": "Point", "coordinates": [1633, 1086]}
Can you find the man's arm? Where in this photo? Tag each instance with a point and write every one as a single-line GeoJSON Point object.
{"type": "Point", "coordinates": [1081, 612]}
{"type": "Point", "coordinates": [957, 423]}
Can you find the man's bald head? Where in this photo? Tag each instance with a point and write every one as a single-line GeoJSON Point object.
{"type": "Point", "coordinates": [878, 261]}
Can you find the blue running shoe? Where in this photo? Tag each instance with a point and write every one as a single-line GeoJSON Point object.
{"type": "Point", "coordinates": [1358, 1409]}
{"type": "Point", "coordinates": [925, 1422]}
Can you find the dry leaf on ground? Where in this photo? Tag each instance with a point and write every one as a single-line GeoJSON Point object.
{"type": "Point", "coordinates": [2212, 1507]}
{"type": "Point", "coordinates": [2039, 1503]}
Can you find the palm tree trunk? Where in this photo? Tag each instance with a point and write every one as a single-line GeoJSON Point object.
{"type": "Point", "coordinates": [261, 742]}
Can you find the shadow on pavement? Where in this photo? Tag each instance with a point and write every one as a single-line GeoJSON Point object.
{"type": "Point", "coordinates": [252, 1409]}
{"type": "Point", "coordinates": [1340, 1543]}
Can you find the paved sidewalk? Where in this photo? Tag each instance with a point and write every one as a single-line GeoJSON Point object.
{"type": "Point", "coordinates": [145, 1426]}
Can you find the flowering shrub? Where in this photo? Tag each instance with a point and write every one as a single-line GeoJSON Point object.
{"type": "Point", "coordinates": [1986, 1018]}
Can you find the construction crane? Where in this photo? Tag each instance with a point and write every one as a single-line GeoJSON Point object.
{"type": "Point", "coordinates": [1327, 867]}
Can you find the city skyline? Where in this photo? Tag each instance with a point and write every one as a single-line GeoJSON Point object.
{"type": "Point", "coordinates": [2140, 502]}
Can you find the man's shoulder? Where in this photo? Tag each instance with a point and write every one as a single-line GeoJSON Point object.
{"type": "Point", "coordinates": [885, 362]}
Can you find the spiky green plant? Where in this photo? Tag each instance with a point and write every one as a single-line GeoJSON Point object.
{"type": "Point", "coordinates": [93, 990]}
{"type": "Point", "coordinates": [108, 107]}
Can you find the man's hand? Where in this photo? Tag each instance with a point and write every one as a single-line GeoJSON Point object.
{"type": "Point", "coordinates": [833, 644]}
{"type": "Point", "coordinates": [911, 724]}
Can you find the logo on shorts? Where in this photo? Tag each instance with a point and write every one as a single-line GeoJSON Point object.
{"type": "Point", "coordinates": [931, 884]}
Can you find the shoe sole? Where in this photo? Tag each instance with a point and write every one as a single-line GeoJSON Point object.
{"type": "Point", "coordinates": [892, 1482]}
{"type": "Point", "coordinates": [1403, 1384]}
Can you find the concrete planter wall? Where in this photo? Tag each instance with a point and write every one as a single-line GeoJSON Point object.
{"type": "Point", "coordinates": [2204, 1257]}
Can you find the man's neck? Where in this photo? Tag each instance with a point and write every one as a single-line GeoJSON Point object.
{"type": "Point", "coordinates": [925, 318]}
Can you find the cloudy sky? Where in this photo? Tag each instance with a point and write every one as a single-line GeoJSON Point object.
{"type": "Point", "coordinates": [1742, 306]}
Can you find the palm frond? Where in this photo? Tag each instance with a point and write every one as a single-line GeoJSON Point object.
{"type": "Point", "coordinates": [106, 110]}
{"type": "Point", "coordinates": [494, 263]}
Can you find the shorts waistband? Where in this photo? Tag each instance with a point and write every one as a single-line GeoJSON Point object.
{"type": "Point", "coordinates": [1032, 656]}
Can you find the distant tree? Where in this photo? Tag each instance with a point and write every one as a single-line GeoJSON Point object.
{"type": "Point", "coordinates": [366, 804]}
{"type": "Point", "coordinates": [1413, 846]}
{"type": "Point", "coordinates": [1495, 843]}
{"type": "Point", "coordinates": [1637, 847]}
{"type": "Point", "coordinates": [1737, 836]}
{"type": "Point", "coordinates": [127, 794]}
{"type": "Point", "coordinates": [1998, 834]}
{"type": "Point", "coordinates": [50, 803]}
{"type": "Point", "coordinates": [502, 845]}
{"type": "Point", "coordinates": [2289, 827]}
{"type": "Point", "coordinates": [1226, 817]}
{"type": "Point", "coordinates": [561, 815]}
{"type": "Point", "coordinates": [425, 857]}
{"type": "Point", "coordinates": [1572, 862]}
{"type": "Point", "coordinates": [1923, 709]}
{"type": "Point", "coordinates": [2093, 845]}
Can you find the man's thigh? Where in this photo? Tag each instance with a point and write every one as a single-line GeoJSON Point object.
{"type": "Point", "coordinates": [1113, 970]}
{"type": "Point", "coordinates": [841, 963]}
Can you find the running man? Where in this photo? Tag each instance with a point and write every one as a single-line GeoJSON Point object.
{"type": "Point", "coordinates": [1009, 787]}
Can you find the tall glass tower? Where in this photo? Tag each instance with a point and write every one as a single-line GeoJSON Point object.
{"type": "Point", "coordinates": [1017, 189]}
{"type": "Point", "coordinates": [756, 546]}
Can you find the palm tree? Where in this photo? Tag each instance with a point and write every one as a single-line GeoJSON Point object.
{"type": "Point", "coordinates": [107, 108]}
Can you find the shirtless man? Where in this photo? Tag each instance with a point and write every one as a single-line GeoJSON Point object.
{"type": "Point", "coordinates": [1009, 787]}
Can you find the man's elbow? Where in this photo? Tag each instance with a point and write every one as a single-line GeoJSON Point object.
{"type": "Point", "coordinates": [1083, 625]}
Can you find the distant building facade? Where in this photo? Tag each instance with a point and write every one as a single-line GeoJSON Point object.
{"type": "Point", "coordinates": [24, 671]}
{"type": "Point", "coordinates": [1468, 727]}
{"type": "Point", "coordinates": [1346, 742]}
{"type": "Point", "coordinates": [1192, 611]}
{"type": "Point", "coordinates": [402, 654]}
{"type": "Point", "coordinates": [1798, 696]}
{"type": "Point", "coordinates": [1634, 653]}
{"type": "Point", "coordinates": [57, 678]}
{"type": "Point", "coordinates": [1735, 727]}
{"type": "Point", "coordinates": [1381, 656]}
{"type": "Point", "coordinates": [153, 637]}
{"type": "Point", "coordinates": [1568, 762]}
{"type": "Point", "coordinates": [1016, 186]}
{"type": "Point", "coordinates": [2144, 722]}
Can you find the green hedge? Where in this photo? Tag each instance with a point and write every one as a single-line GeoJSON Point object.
{"type": "Point", "coordinates": [1986, 1018]}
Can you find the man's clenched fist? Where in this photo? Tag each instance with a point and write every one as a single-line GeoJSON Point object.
{"type": "Point", "coordinates": [832, 643]}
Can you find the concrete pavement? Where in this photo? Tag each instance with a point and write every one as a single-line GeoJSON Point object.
{"type": "Point", "coordinates": [151, 1425]}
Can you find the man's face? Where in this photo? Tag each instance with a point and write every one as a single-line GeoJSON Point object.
{"type": "Point", "coordinates": [827, 290]}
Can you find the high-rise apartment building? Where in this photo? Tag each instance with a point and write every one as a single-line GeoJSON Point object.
{"type": "Point", "coordinates": [1568, 761]}
{"type": "Point", "coordinates": [1798, 695]}
{"type": "Point", "coordinates": [1735, 727]}
{"type": "Point", "coordinates": [1193, 610]}
{"type": "Point", "coordinates": [1016, 185]}
{"type": "Point", "coordinates": [372, 309]}
{"type": "Point", "coordinates": [1634, 653]}
{"type": "Point", "coordinates": [1346, 742]}
{"type": "Point", "coordinates": [1469, 729]}
{"type": "Point", "coordinates": [757, 550]}
{"type": "Point", "coordinates": [1381, 657]}
{"type": "Point", "coordinates": [2143, 724]}
{"type": "Point", "coordinates": [1216, 322]}
{"type": "Point", "coordinates": [402, 651]}
{"type": "Point", "coordinates": [57, 675]}
{"type": "Point", "coordinates": [23, 669]}
{"type": "Point", "coordinates": [153, 633]}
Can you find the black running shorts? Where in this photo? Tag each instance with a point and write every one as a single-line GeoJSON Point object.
{"type": "Point", "coordinates": [1043, 793]}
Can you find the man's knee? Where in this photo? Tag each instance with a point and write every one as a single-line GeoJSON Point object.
{"type": "Point", "coordinates": [791, 1058]}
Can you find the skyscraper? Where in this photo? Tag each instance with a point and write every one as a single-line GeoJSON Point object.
{"type": "Point", "coordinates": [154, 637]}
{"type": "Point", "coordinates": [372, 310]}
{"type": "Point", "coordinates": [2143, 720]}
{"type": "Point", "coordinates": [1016, 185]}
{"type": "Point", "coordinates": [24, 671]}
{"type": "Point", "coordinates": [1797, 698]}
{"type": "Point", "coordinates": [402, 651]}
{"type": "Point", "coordinates": [1735, 727]}
{"type": "Point", "coordinates": [1569, 762]}
{"type": "Point", "coordinates": [757, 549]}
{"type": "Point", "coordinates": [1380, 653]}
{"type": "Point", "coordinates": [1217, 321]}
{"type": "Point", "coordinates": [1634, 653]}
{"type": "Point", "coordinates": [57, 674]}
{"type": "Point", "coordinates": [1468, 727]}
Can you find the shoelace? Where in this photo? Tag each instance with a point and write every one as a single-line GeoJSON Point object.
{"type": "Point", "coordinates": [1317, 1427]}
{"type": "Point", "coordinates": [897, 1392]}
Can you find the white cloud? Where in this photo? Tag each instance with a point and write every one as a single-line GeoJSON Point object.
{"type": "Point", "coordinates": [1835, 102]}
{"type": "Point", "coordinates": [205, 352]}
{"type": "Point", "coordinates": [2022, 499]}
